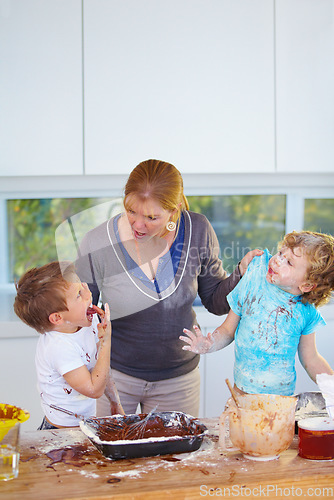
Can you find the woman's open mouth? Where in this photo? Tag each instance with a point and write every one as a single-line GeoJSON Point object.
{"type": "Point", "coordinates": [137, 234]}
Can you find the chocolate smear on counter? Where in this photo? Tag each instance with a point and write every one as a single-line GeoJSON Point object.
{"type": "Point", "coordinates": [70, 455]}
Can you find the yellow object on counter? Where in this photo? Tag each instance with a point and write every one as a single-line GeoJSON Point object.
{"type": "Point", "coordinates": [9, 416]}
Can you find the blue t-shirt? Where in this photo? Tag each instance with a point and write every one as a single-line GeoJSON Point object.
{"type": "Point", "coordinates": [266, 340]}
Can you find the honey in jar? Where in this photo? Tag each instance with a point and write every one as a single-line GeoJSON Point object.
{"type": "Point", "coordinates": [316, 438]}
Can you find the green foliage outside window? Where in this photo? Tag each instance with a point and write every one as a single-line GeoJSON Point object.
{"type": "Point", "coordinates": [241, 223]}
{"type": "Point", "coordinates": [31, 229]}
{"type": "Point", "coordinates": [319, 215]}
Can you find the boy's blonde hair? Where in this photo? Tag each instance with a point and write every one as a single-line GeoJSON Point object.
{"type": "Point", "coordinates": [41, 292]}
{"type": "Point", "coordinates": [319, 249]}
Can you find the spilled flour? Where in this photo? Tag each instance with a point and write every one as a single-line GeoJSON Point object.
{"type": "Point", "coordinates": [88, 474]}
{"type": "Point", "coordinates": [56, 440]}
{"type": "Point", "coordinates": [206, 460]}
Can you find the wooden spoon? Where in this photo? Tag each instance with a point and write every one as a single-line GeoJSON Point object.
{"type": "Point", "coordinates": [232, 391]}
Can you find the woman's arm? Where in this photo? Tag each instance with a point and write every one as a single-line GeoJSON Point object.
{"type": "Point", "coordinates": [92, 384]}
{"type": "Point", "coordinates": [310, 358]}
{"type": "Point", "coordinates": [220, 338]}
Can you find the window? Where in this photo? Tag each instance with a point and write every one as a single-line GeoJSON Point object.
{"type": "Point", "coordinates": [38, 230]}
{"type": "Point", "coordinates": [319, 215]}
{"type": "Point", "coordinates": [243, 222]}
{"type": "Point", "coordinates": [37, 227]}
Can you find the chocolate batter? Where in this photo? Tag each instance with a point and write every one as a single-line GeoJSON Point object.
{"type": "Point", "coordinates": [123, 428]}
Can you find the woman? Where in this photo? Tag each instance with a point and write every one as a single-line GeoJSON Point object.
{"type": "Point", "coordinates": [149, 264]}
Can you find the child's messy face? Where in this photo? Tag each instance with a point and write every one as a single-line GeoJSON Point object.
{"type": "Point", "coordinates": [78, 300]}
{"type": "Point", "coordinates": [288, 270]}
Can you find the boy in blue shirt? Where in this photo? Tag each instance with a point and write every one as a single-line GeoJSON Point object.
{"type": "Point", "coordinates": [273, 315]}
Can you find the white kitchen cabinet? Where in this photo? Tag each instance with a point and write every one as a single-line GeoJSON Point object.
{"type": "Point", "coordinates": [305, 85]}
{"type": "Point", "coordinates": [41, 128]}
{"type": "Point", "coordinates": [186, 81]}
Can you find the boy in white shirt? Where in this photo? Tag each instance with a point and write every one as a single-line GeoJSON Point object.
{"type": "Point", "coordinates": [73, 353]}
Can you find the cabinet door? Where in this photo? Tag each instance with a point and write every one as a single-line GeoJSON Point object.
{"type": "Point", "coordinates": [305, 85]}
{"type": "Point", "coordinates": [185, 81]}
{"type": "Point", "coordinates": [41, 87]}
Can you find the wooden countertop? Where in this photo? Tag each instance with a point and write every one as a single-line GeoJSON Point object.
{"type": "Point", "coordinates": [63, 464]}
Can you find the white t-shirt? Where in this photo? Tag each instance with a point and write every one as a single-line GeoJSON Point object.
{"type": "Point", "coordinates": [58, 353]}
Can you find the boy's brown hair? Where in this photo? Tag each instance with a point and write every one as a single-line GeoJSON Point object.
{"type": "Point", "coordinates": [41, 292]}
{"type": "Point", "coordinates": [319, 249]}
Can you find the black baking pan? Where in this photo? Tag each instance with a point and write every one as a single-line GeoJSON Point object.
{"type": "Point", "coordinates": [127, 445]}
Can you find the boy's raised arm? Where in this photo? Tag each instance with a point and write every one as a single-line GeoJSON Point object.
{"type": "Point", "coordinates": [92, 383]}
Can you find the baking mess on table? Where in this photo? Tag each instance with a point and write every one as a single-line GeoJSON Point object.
{"type": "Point", "coordinates": [71, 453]}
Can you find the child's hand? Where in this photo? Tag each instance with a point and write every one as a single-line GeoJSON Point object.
{"type": "Point", "coordinates": [244, 263]}
{"type": "Point", "coordinates": [198, 343]}
{"type": "Point", "coordinates": [104, 328]}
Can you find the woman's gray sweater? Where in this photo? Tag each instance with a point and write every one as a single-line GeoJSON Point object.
{"type": "Point", "coordinates": [145, 324]}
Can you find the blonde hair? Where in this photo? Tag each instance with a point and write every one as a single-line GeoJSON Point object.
{"type": "Point", "coordinates": [159, 181]}
{"type": "Point", "coordinates": [319, 249]}
{"type": "Point", "coordinates": [41, 292]}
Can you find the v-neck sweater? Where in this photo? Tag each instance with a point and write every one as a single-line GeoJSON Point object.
{"type": "Point", "coordinates": [146, 325]}
{"type": "Point", "coordinates": [168, 263]}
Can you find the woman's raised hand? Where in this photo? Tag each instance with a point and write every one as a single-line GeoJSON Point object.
{"type": "Point", "coordinates": [197, 342]}
{"type": "Point", "coordinates": [244, 263]}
